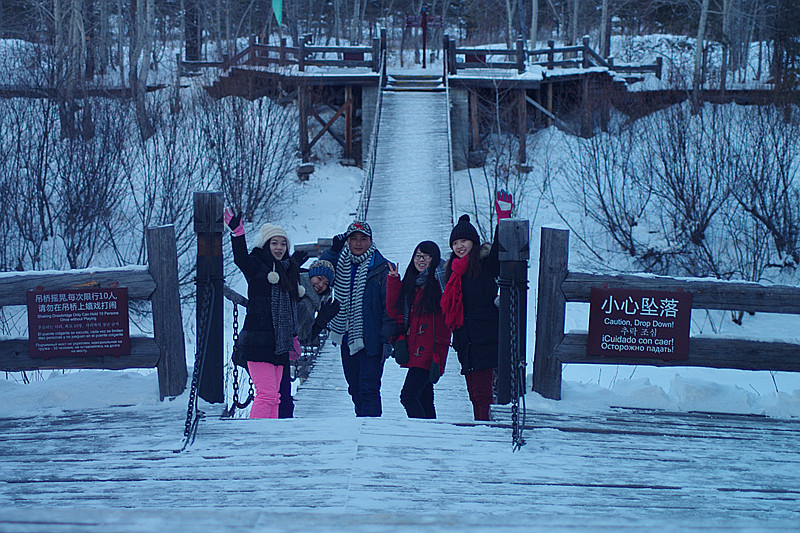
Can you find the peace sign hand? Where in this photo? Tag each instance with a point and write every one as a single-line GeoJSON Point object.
{"type": "Point", "coordinates": [393, 270]}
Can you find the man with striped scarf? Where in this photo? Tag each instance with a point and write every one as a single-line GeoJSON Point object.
{"type": "Point", "coordinates": [362, 327]}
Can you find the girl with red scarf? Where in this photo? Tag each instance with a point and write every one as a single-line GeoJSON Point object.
{"type": "Point", "coordinates": [469, 305]}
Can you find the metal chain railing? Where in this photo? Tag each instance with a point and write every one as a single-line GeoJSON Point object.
{"type": "Point", "coordinates": [518, 365]}
{"type": "Point", "coordinates": [235, 403]}
{"type": "Point", "coordinates": [193, 414]}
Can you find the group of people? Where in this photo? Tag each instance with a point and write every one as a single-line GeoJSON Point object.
{"type": "Point", "coordinates": [371, 312]}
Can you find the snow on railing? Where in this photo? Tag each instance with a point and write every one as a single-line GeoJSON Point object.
{"type": "Point", "coordinates": [369, 174]}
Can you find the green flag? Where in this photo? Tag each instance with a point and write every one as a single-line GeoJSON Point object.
{"type": "Point", "coordinates": [277, 8]}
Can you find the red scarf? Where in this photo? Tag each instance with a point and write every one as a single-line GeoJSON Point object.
{"type": "Point", "coordinates": [452, 298]}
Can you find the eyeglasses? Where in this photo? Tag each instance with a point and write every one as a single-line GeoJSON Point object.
{"type": "Point", "coordinates": [422, 257]}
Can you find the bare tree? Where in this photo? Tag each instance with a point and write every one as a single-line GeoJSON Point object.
{"type": "Point", "coordinates": [767, 187]}
{"type": "Point", "coordinates": [89, 186]}
{"type": "Point", "coordinates": [252, 146]}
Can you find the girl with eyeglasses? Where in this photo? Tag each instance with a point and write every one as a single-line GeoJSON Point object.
{"type": "Point", "coordinates": [413, 303]}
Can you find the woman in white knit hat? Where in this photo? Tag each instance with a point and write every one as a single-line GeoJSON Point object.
{"type": "Point", "coordinates": [269, 334]}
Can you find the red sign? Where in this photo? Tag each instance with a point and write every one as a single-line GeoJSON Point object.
{"type": "Point", "coordinates": [77, 322]}
{"type": "Point", "coordinates": [639, 323]}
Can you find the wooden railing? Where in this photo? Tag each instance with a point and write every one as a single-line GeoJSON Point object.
{"type": "Point", "coordinates": [557, 286]}
{"type": "Point", "coordinates": [578, 56]}
{"type": "Point", "coordinates": [303, 55]}
{"type": "Point", "coordinates": [157, 282]}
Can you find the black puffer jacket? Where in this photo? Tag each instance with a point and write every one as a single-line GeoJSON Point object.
{"type": "Point", "coordinates": [476, 341]}
{"type": "Point", "coordinates": [257, 338]}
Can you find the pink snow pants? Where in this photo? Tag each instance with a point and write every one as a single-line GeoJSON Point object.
{"type": "Point", "coordinates": [267, 381]}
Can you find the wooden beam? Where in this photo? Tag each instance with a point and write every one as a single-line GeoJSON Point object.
{"type": "Point", "coordinates": [302, 107]}
{"type": "Point", "coordinates": [706, 293]}
{"type": "Point", "coordinates": [522, 126]}
{"type": "Point", "coordinates": [326, 126]}
{"type": "Point", "coordinates": [210, 276]}
{"type": "Point", "coordinates": [348, 121]}
{"type": "Point", "coordinates": [551, 312]}
{"type": "Point", "coordinates": [162, 259]}
{"type": "Point", "coordinates": [14, 357]}
{"type": "Point", "coordinates": [137, 279]}
{"type": "Point", "coordinates": [473, 112]}
{"type": "Point", "coordinates": [740, 354]}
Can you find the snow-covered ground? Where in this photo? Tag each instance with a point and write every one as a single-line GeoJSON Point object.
{"type": "Point", "coordinates": [323, 206]}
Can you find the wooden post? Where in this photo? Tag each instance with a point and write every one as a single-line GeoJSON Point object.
{"type": "Point", "coordinates": [659, 65]}
{"type": "Point", "coordinates": [301, 54]}
{"type": "Point", "coordinates": [282, 52]}
{"type": "Point", "coordinates": [586, 109]}
{"type": "Point", "coordinates": [376, 54]}
{"type": "Point", "coordinates": [473, 112]}
{"type": "Point", "coordinates": [302, 107]}
{"type": "Point", "coordinates": [514, 251]}
{"type": "Point", "coordinates": [520, 55]}
{"type": "Point", "coordinates": [162, 262]}
{"type": "Point", "coordinates": [251, 50]}
{"type": "Point", "coordinates": [551, 54]}
{"type": "Point", "coordinates": [208, 227]}
{"type": "Point", "coordinates": [348, 121]}
{"type": "Point", "coordinates": [445, 54]}
{"type": "Point", "coordinates": [452, 60]}
{"type": "Point", "coordinates": [585, 53]}
{"type": "Point", "coordinates": [522, 127]}
{"type": "Point", "coordinates": [549, 103]}
{"type": "Point", "coordinates": [550, 312]}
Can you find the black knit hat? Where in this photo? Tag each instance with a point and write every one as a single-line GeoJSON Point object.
{"type": "Point", "coordinates": [464, 230]}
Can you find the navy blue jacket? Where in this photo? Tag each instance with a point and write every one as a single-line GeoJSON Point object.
{"type": "Point", "coordinates": [378, 327]}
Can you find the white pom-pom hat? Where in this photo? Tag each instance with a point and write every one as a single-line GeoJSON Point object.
{"type": "Point", "coordinates": [269, 231]}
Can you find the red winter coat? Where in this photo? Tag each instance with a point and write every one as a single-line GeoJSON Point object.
{"type": "Point", "coordinates": [421, 327]}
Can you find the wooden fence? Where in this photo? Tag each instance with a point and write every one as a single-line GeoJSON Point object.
{"type": "Point", "coordinates": [156, 282]}
{"type": "Point", "coordinates": [578, 56]}
{"type": "Point", "coordinates": [303, 55]}
{"type": "Point", "coordinates": [557, 286]}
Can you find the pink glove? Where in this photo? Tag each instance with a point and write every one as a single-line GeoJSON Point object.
{"type": "Point", "coordinates": [233, 222]}
{"type": "Point", "coordinates": [503, 204]}
{"type": "Point", "coordinates": [295, 354]}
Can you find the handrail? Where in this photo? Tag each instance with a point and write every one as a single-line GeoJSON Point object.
{"type": "Point", "coordinates": [450, 150]}
{"type": "Point", "coordinates": [588, 58]}
{"type": "Point", "coordinates": [369, 174]}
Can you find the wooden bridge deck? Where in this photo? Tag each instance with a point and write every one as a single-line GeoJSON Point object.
{"type": "Point", "coordinates": [116, 469]}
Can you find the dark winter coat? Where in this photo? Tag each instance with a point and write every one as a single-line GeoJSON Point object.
{"type": "Point", "coordinates": [378, 327]}
{"type": "Point", "coordinates": [475, 341]}
{"type": "Point", "coordinates": [423, 347]}
{"type": "Point", "coordinates": [307, 309]}
{"type": "Point", "coordinates": [257, 338]}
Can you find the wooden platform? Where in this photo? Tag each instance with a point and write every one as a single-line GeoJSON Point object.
{"type": "Point", "coordinates": [329, 470]}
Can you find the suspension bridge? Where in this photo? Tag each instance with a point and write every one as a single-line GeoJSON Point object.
{"type": "Point", "coordinates": [117, 468]}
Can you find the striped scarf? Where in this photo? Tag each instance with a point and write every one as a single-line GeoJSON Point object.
{"type": "Point", "coordinates": [284, 317]}
{"type": "Point", "coordinates": [350, 318]}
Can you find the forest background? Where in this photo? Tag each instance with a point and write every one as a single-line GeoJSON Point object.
{"type": "Point", "coordinates": [89, 157]}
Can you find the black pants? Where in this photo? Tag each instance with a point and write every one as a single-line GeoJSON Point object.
{"type": "Point", "coordinates": [417, 394]}
{"type": "Point", "coordinates": [286, 407]}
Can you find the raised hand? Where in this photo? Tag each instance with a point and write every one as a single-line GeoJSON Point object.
{"type": "Point", "coordinates": [338, 243]}
{"type": "Point", "coordinates": [393, 270]}
{"type": "Point", "coordinates": [299, 257]}
{"type": "Point", "coordinates": [327, 311]}
{"type": "Point", "coordinates": [503, 204]}
{"type": "Point", "coordinates": [233, 222]}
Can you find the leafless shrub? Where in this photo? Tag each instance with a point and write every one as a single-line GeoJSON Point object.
{"type": "Point", "coordinates": [161, 173]}
{"type": "Point", "coordinates": [767, 187]}
{"type": "Point", "coordinates": [252, 147]}
{"type": "Point", "coordinates": [89, 188]}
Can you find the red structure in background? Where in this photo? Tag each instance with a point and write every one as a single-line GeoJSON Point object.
{"type": "Point", "coordinates": [424, 20]}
